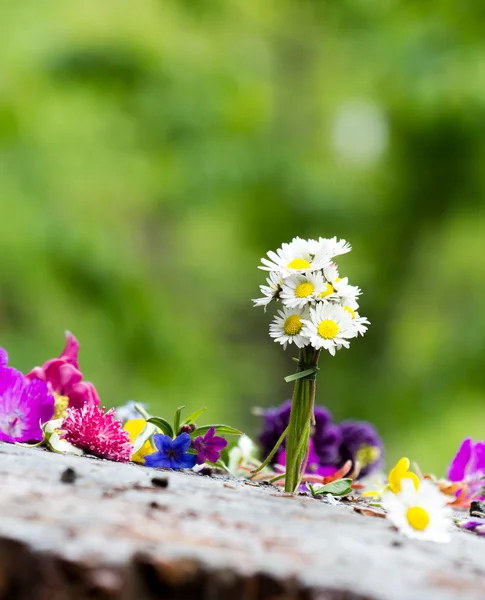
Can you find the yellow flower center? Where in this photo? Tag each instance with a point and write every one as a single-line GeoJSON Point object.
{"type": "Point", "coordinates": [60, 406]}
{"type": "Point", "coordinates": [368, 455]}
{"type": "Point", "coordinates": [417, 517]}
{"type": "Point", "coordinates": [350, 310]}
{"type": "Point", "coordinates": [328, 329]}
{"type": "Point", "coordinates": [327, 291]}
{"type": "Point", "coordinates": [293, 325]}
{"type": "Point", "coordinates": [338, 279]}
{"type": "Point", "coordinates": [298, 263]}
{"type": "Point", "coordinates": [304, 290]}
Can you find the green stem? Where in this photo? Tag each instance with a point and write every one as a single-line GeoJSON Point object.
{"type": "Point", "coordinates": [277, 478]}
{"type": "Point", "coordinates": [142, 411]}
{"type": "Point", "coordinates": [272, 453]}
{"type": "Point", "coordinates": [301, 418]}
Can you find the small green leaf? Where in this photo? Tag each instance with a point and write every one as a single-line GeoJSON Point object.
{"type": "Point", "coordinates": [176, 419]}
{"type": "Point", "coordinates": [340, 487]}
{"type": "Point", "coordinates": [220, 429]}
{"type": "Point", "coordinates": [162, 424]}
{"type": "Point", "coordinates": [301, 374]}
{"type": "Point", "coordinates": [192, 418]}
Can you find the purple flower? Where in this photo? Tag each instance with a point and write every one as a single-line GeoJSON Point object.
{"type": "Point", "coordinates": [361, 444]}
{"type": "Point", "coordinates": [172, 454]}
{"type": "Point", "coordinates": [468, 466]}
{"type": "Point", "coordinates": [24, 405]}
{"type": "Point", "coordinates": [325, 435]}
{"type": "Point", "coordinates": [209, 447]}
{"type": "Point", "coordinates": [333, 445]}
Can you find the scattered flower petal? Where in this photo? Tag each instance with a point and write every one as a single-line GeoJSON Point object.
{"type": "Point", "coordinates": [399, 473]}
{"type": "Point", "coordinates": [134, 427]}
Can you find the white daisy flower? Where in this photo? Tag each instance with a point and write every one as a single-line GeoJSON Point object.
{"type": "Point", "coordinates": [296, 257]}
{"type": "Point", "coordinates": [338, 289]}
{"type": "Point", "coordinates": [347, 294]}
{"type": "Point", "coordinates": [299, 290]}
{"type": "Point", "coordinates": [360, 323]}
{"type": "Point", "coordinates": [331, 272]}
{"type": "Point", "coordinates": [329, 327]}
{"type": "Point", "coordinates": [270, 292]}
{"type": "Point", "coordinates": [287, 327]}
{"type": "Point", "coordinates": [421, 514]}
{"type": "Point", "coordinates": [329, 247]}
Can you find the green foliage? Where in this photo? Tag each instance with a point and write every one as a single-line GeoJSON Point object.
{"type": "Point", "coordinates": [152, 151]}
{"type": "Point", "coordinates": [339, 487]}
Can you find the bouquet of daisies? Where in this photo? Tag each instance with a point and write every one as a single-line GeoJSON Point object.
{"type": "Point", "coordinates": [319, 311]}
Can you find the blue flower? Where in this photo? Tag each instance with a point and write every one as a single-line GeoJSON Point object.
{"type": "Point", "coordinates": [172, 454]}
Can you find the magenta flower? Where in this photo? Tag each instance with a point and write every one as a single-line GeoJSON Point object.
{"type": "Point", "coordinates": [24, 405]}
{"type": "Point", "coordinates": [468, 466]}
{"type": "Point", "coordinates": [97, 432]}
{"type": "Point", "coordinates": [64, 378]}
{"type": "Point", "coordinates": [172, 454]}
{"type": "Point", "coordinates": [209, 446]}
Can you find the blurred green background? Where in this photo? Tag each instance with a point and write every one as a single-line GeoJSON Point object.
{"type": "Point", "coordinates": [152, 151]}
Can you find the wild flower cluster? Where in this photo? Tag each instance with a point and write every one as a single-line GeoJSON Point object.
{"type": "Point", "coordinates": [54, 406]}
{"type": "Point", "coordinates": [419, 506]}
{"type": "Point", "coordinates": [320, 308]}
{"type": "Point", "coordinates": [332, 446]}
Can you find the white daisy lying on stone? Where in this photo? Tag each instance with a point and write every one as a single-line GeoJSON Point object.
{"type": "Point", "coordinates": [422, 514]}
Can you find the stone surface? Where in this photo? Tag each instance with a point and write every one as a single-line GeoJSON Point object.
{"type": "Point", "coordinates": [103, 530]}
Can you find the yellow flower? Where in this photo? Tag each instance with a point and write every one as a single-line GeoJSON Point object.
{"type": "Point", "coordinates": [134, 427]}
{"type": "Point", "coordinates": [400, 472]}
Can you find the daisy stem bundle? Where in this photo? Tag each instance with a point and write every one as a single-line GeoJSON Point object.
{"type": "Point", "coordinates": [301, 419]}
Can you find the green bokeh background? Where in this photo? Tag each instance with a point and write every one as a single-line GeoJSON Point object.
{"type": "Point", "coordinates": [152, 151]}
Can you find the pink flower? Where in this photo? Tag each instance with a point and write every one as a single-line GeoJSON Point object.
{"type": "Point", "coordinates": [64, 378]}
{"type": "Point", "coordinates": [97, 432]}
{"type": "Point", "coordinates": [468, 467]}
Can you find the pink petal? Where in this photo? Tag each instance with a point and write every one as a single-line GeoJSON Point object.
{"type": "Point", "coordinates": [62, 375]}
{"type": "Point", "coordinates": [458, 465]}
{"type": "Point", "coordinates": [479, 458]}
{"type": "Point", "coordinates": [83, 394]}
{"type": "Point", "coordinates": [71, 349]}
